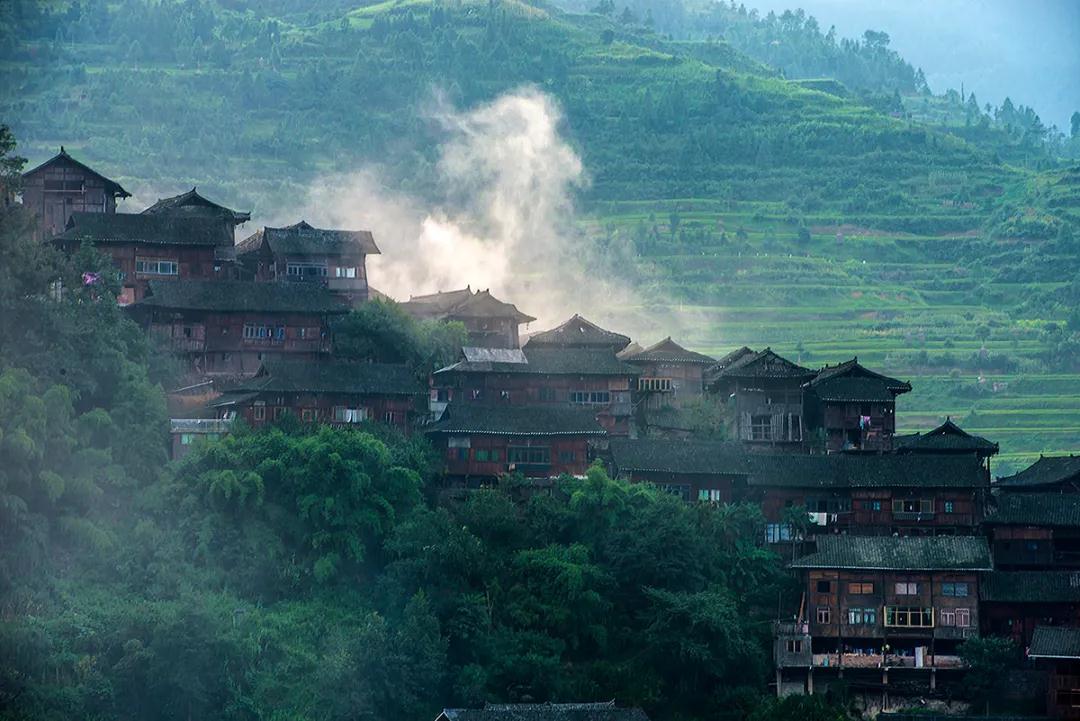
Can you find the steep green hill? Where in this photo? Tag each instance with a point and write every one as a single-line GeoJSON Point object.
{"type": "Point", "coordinates": [797, 213]}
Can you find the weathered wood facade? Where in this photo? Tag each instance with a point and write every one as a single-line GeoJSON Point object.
{"type": "Point", "coordinates": [61, 186]}
{"type": "Point", "coordinates": [479, 444]}
{"type": "Point", "coordinates": [768, 396]}
{"type": "Point", "coordinates": [851, 408]}
{"type": "Point", "coordinates": [148, 248]}
{"type": "Point", "coordinates": [1035, 530]}
{"type": "Point", "coordinates": [1057, 650]}
{"type": "Point", "coordinates": [875, 604]}
{"type": "Point", "coordinates": [592, 378]}
{"type": "Point", "coordinates": [692, 470]}
{"type": "Point", "coordinates": [1015, 603]}
{"type": "Point", "coordinates": [328, 392]}
{"type": "Point", "coordinates": [300, 253]}
{"type": "Point", "coordinates": [231, 327]}
{"type": "Point", "coordinates": [490, 322]}
{"type": "Point", "coordinates": [670, 374]}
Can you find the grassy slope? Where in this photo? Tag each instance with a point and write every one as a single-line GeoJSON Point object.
{"type": "Point", "coordinates": [662, 126]}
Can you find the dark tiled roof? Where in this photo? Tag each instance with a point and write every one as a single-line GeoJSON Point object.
{"type": "Point", "coordinates": [333, 377]}
{"type": "Point", "coordinates": [239, 296]}
{"type": "Point", "coordinates": [763, 364]}
{"type": "Point", "coordinates": [733, 356]}
{"type": "Point", "coordinates": [1046, 471]}
{"type": "Point", "coordinates": [553, 361]}
{"type": "Point", "coordinates": [1055, 642]}
{"type": "Point", "coordinates": [463, 304]}
{"type": "Point", "coordinates": [1036, 509]}
{"type": "Point", "coordinates": [678, 456]}
{"type": "Point", "coordinates": [1031, 587]}
{"type": "Point", "coordinates": [111, 186]}
{"type": "Point", "coordinates": [785, 470]}
{"type": "Point", "coordinates": [517, 421]}
{"type": "Point", "coordinates": [606, 711]}
{"type": "Point", "coordinates": [860, 390]}
{"type": "Point", "coordinates": [890, 553]}
{"type": "Point", "coordinates": [668, 351]}
{"type": "Point", "coordinates": [947, 437]}
{"type": "Point", "coordinates": [303, 239]}
{"type": "Point", "coordinates": [193, 204]}
{"type": "Point", "coordinates": [851, 369]}
{"type": "Point", "coordinates": [842, 470]}
{"type": "Point", "coordinates": [147, 229]}
{"type": "Point", "coordinates": [579, 333]}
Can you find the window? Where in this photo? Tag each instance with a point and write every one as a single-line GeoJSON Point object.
{"type": "Point", "coordinates": [824, 615]}
{"type": "Point", "coordinates": [903, 617]}
{"type": "Point", "coordinates": [913, 505]}
{"type": "Point", "coordinates": [713, 495]}
{"type": "Point", "coordinates": [389, 417]}
{"type": "Point", "coordinates": [530, 455]}
{"type": "Point", "coordinates": [682, 490]}
{"type": "Point", "coordinates": [872, 505]}
{"type": "Point", "coordinates": [824, 586]}
{"type": "Point", "coordinates": [828, 505]}
{"type": "Point", "coordinates": [349, 415]}
{"type": "Point", "coordinates": [345, 272]}
{"type": "Point", "coordinates": [1069, 698]}
{"type": "Point", "coordinates": [862, 616]}
{"type": "Point", "coordinates": [477, 394]}
{"type": "Point", "coordinates": [457, 454]}
{"type": "Point", "coordinates": [777, 532]}
{"type": "Point", "coordinates": [504, 395]}
{"type": "Point", "coordinates": [949, 508]}
{"type": "Point", "coordinates": [590, 397]}
{"type": "Point", "coordinates": [186, 439]}
{"type": "Point", "coordinates": [279, 412]}
{"type": "Point", "coordinates": [794, 646]}
{"type": "Point", "coordinates": [958, 617]}
{"type": "Point", "coordinates": [258, 411]}
{"type": "Point", "coordinates": [661, 385]}
{"type": "Point", "coordinates": [761, 428]}
{"type": "Point", "coordinates": [483, 455]}
{"type": "Point", "coordinates": [547, 394]}
{"type": "Point", "coordinates": [305, 271]}
{"type": "Point", "coordinates": [156, 267]}
{"type": "Point", "coordinates": [254, 331]}
{"type": "Point", "coordinates": [954, 589]}
{"type": "Point", "coordinates": [307, 415]}
{"type": "Point", "coordinates": [860, 589]}
{"type": "Point", "coordinates": [567, 457]}
{"type": "Point", "coordinates": [301, 333]}
{"type": "Point", "coordinates": [909, 588]}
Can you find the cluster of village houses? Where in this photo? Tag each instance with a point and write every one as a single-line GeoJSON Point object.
{"type": "Point", "coordinates": [906, 544]}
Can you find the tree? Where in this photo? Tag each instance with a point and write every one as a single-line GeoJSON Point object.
{"type": "Point", "coordinates": [989, 660]}
{"type": "Point", "coordinates": [1074, 123]}
{"type": "Point", "coordinates": [381, 331]}
{"type": "Point", "coordinates": [11, 166]}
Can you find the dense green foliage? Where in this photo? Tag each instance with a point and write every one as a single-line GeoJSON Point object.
{"type": "Point", "coordinates": [382, 332]}
{"type": "Point", "coordinates": [305, 572]}
{"type": "Point", "coordinates": [808, 194]}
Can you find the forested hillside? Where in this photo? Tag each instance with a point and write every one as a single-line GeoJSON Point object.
{"type": "Point", "coordinates": [776, 186]}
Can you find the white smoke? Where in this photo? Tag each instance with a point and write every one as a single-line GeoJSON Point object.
{"type": "Point", "coordinates": [505, 222]}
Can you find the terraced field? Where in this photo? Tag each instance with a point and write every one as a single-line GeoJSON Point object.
{"type": "Point", "coordinates": [863, 292]}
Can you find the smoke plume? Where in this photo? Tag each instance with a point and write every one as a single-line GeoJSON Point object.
{"type": "Point", "coordinates": [504, 221]}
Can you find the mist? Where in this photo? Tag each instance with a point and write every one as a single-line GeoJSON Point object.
{"type": "Point", "coordinates": [505, 219]}
{"type": "Point", "coordinates": [1028, 51]}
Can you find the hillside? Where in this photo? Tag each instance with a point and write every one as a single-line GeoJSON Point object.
{"type": "Point", "coordinates": [757, 210]}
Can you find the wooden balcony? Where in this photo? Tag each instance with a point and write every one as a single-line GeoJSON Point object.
{"type": "Point", "coordinates": [877, 660]}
